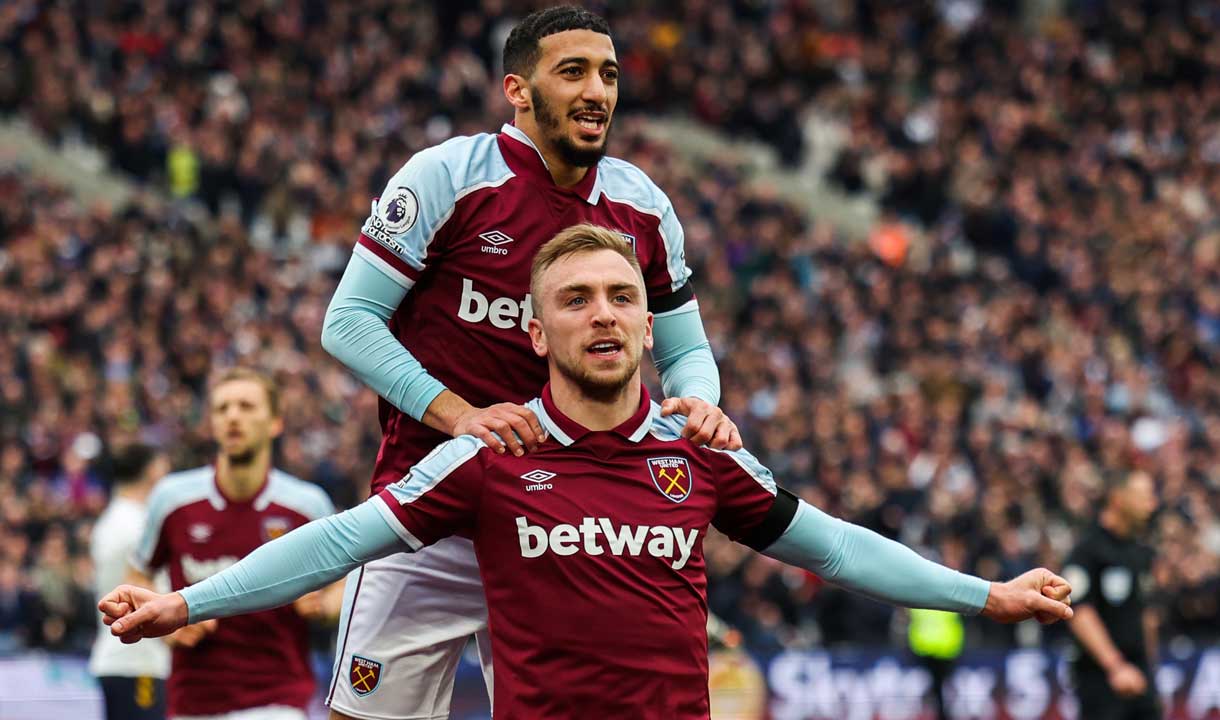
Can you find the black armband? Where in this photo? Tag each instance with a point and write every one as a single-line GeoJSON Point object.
{"type": "Point", "coordinates": [775, 523]}
{"type": "Point", "coordinates": [672, 301]}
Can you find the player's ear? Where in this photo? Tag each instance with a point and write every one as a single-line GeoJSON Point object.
{"type": "Point", "coordinates": [518, 93]}
{"type": "Point", "coordinates": [277, 426]}
{"type": "Point", "coordinates": [648, 331]}
{"type": "Point", "coordinates": [537, 337]}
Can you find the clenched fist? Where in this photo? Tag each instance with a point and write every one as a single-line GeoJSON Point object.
{"type": "Point", "coordinates": [1038, 593]}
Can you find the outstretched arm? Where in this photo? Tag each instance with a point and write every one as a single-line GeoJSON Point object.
{"type": "Point", "coordinates": [275, 574]}
{"type": "Point", "coordinates": [865, 562]}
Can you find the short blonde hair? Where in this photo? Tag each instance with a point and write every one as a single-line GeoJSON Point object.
{"type": "Point", "coordinates": [574, 240]}
{"type": "Point", "coordinates": [246, 373]}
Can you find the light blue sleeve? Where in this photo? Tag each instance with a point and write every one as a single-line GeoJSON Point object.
{"type": "Point", "coordinates": [355, 332]}
{"type": "Point", "coordinates": [310, 557]}
{"type": "Point", "coordinates": [863, 561]}
{"type": "Point", "coordinates": [157, 504]}
{"type": "Point", "coordinates": [683, 355]}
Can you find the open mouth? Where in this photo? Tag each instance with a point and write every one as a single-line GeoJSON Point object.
{"type": "Point", "coordinates": [591, 121]}
{"type": "Point", "coordinates": [605, 348]}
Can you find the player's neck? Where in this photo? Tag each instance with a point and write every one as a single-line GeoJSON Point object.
{"type": "Point", "coordinates": [242, 481]}
{"type": "Point", "coordinates": [562, 173]}
{"type": "Point", "coordinates": [592, 413]}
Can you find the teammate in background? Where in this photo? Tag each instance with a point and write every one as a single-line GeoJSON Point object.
{"type": "Point", "coordinates": [1115, 630]}
{"type": "Point", "coordinates": [591, 547]}
{"type": "Point", "coordinates": [203, 520]}
{"type": "Point", "coordinates": [132, 679]}
{"type": "Point", "coordinates": [432, 313]}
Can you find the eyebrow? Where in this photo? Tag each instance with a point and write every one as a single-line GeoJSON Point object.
{"type": "Point", "coordinates": [609, 62]}
{"type": "Point", "coordinates": [581, 287]}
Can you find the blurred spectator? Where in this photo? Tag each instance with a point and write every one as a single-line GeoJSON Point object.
{"type": "Point", "coordinates": [18, 604]}
{"type": "Point", "coordinates": [1038, 309]}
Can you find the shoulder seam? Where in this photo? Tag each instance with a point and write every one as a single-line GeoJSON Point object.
{"type": "Point", "coordinates": [316, 504]}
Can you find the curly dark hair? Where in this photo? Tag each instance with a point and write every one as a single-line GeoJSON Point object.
{"type": "Point", "coordinates": [521, 49]}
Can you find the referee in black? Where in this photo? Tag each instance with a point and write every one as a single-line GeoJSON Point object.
{"type": "Point", "coordinates": [1115, 630]}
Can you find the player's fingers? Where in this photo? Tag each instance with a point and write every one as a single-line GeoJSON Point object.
{"type": "Point", "coordinates": [669, 406]}
{"type": "Point", "coordinates": [131, 623]}
{"type": "Point", "coordinates": [504, 428]}
{"type": "Point", "coordinates": [535, 426]}
{"type": "Point", "coordinates": [118, 595]}
{"type": "Point", "coordinates": [1059, 588]}
{"type": "Point", "coordinates": [1052, 607]}
{"type": "Point", "coordinates": [524, 438]}
{"type": "Point", "coordinates": [723, 434]}
{"type": "Point", "coordinates": [707, 428]}
{"type": "Point", "coordinates": [489, 438]}
{"type": "Point", "coordinates": [694, 426]}
{"type": "Point", "coordinates": [1062, 593]}
{"type": "Point", "coordinates": [113, 609]}
{"type": "Point", "coordinates": [108, 618]}
{"type": "Point", "coordinates": [735, 442]}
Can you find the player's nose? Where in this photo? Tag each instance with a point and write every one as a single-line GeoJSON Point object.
{"type": "Point", "coordinates": [595, 90]}
{"type": "Point", "coordinates": [603, 313]}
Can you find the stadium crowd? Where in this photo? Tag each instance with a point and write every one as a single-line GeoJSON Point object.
{"type": "Point", "coordinates": [1038, 308]}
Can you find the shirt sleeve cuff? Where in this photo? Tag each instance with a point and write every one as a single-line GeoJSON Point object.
{"type": "Point", "coordinates": [972, 593]}
{"type": "Point", "coordinates": [424, 391]}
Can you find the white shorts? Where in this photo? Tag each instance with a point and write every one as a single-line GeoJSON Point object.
{"type": "Point", "coordinates": [406, 620]}
{"type": "Point", "coordinates": [269, 712]}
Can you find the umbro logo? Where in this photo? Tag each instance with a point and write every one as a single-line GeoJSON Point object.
{"type": "Point", "coordinates": [536, 480]}
{"type": "Point", "coordinates": [495, 237]}
{"type": "Point", "coordinates": [494, 240]}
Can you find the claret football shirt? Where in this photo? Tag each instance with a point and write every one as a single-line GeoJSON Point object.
{"type": "Point", "coordinates": [591, 552]}
{"type": "Point", "coordinates": [195, 531]}
{"type": "Point", "coordinates": [458, 227]}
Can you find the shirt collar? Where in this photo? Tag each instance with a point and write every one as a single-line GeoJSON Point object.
{"type": "Point", "coordinates": [260, 500]}
{"type": "Point", "coordinates": [567, 431]}
{"type": "Point", "coordinates": [524, 158]}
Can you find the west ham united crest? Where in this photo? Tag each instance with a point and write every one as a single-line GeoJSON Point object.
{"type": "Point", "coordinates": [365, 675]}
{"type": "Point", "coordinates": [274, 527]}
{"type": "Point", "coordinates": [672, 477]}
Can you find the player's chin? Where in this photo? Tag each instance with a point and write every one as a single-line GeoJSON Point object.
{"type": "Point", "coordinates": [604, 366]}
{"type": "Point", "coordinates": [238, 450]}
{"type": "Point", "coordinates": [587, 139]}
